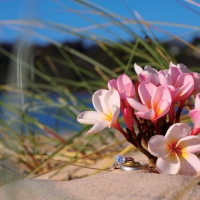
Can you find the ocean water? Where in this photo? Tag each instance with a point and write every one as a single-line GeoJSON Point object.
{"type": "Point", "coordinates": [59, 117]}
{"type": "Point", "coordinates": [14, 112]}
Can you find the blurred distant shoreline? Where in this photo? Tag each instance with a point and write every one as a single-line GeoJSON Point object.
{"type": "Point", "coordinates": [50, 60]}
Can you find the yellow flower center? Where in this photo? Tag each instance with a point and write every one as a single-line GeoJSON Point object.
{"type": "Point", "coordinates": [108, 117]}
{"type": "Point", "coordinates": [159, 112]}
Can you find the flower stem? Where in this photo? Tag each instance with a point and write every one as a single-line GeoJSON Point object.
{"type": "Point", "coordinates": [171, 114]}
{"type": "Point", "coordinates": [178, 113]}
{"type": "Point", "coordinates": [137, 122]}
{"type": "Point", "coordinates": [155, 123]}
{"type": "Point", "coordinates": [127, 136]}
{"type": "Point", "coordinates": [132, 138]}
{"type": "Point", "coordinates": [152, 159]}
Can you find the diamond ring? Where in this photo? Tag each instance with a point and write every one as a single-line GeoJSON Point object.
{"type": "Point", "coordinates": [120, 159]}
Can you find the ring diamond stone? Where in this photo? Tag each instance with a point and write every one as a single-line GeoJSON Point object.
{"type": "Point", "coordinates": [119, 160]}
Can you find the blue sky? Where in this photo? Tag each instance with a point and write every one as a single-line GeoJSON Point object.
{"type": "Point", "coordinates": [29, 18]}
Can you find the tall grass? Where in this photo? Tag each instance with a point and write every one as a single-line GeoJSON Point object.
{"type": "Point", "coordinates": [29, 147]}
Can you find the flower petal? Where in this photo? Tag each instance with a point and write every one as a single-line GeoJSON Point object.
{"type": "Point", "coordinates": [137, 105]}
{"type": "Point", "coordinates": [146, 91]}
{"type": "Point", "coordinates": [190, 164]}
{"type": "Point", "coordinates": [158, 147]}
{"type": "Point", "coordinates": [195, 115]}
{"type": "Point", "coordinates": [180, 66]}
{"type": "Point", "coordinates": [164, 78]}
{"type": "Point", "coordinates": [171, 64]}
{"type": "Point", "coordinates": [111, 98]}
{"type": "Point", "coordinates": [150, 77]}
{"type": "Point", "coordinates": [176, 132]}
{"type": "Point", "coordinates": [98, 100]}
{"type": "Point", "coordinates": [143, 76]}
{"type": "Point", "coordinates": [186, 84]}
{"type": "Point", "coordinates": [169, 165]}
{"type": "Point", "coordinates": [162, 109]}
{"type": "Point", "coordinates": [149, 114]}
{"type": "Point", "coordinates": [112, 84]}
{"type": "Point", "coordinates": [98, 127]}
{"type": "Point", "coordinates": [150, 69]}
{"type": "Point", "coordinates": [153, 78]}
{"type": "Point", "coordinates": [183, 68]}
{"type": "Point", "coordinates": [196, 78]}
{"type": "Point", "coordinates": [125, 86]}
{"type": "Point", "coordinates": [104, 99]}
{"type": "Point", "coordinates": [115, 113]}
{"type": "Point", "coordinates": [174, 92]}
{"type": "Point", "coordinates": [189, 144]}
{"type": "Point", "coordinates": [174, 72]}
{"type": "Point", "coordinates": [129, 90]}
{"type": "Point", "coordinates": [161, 93]}
{"type": "Point", "coordinates": [197, 101]}
{"type": "Point", "coordinates": [90, 117]}
{"type": "Point", "coordinates": [138, 69]}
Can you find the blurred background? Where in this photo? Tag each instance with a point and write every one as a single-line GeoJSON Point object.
{"type": "Point", "coordinates": [55, 54]}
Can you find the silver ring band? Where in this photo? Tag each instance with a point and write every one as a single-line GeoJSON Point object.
{"type": "Point", "coordinates": [125, 168]}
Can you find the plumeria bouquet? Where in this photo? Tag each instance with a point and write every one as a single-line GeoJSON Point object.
{"type": "Point", "coordinates": [151, 109]}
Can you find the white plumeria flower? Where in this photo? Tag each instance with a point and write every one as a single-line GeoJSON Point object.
{"type": "Point", "coordinates": [175, 151]}
{"type": "Point", "coordinates": [107, 105]}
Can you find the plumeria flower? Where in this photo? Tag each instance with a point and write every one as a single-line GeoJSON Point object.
{"type": "Point", "coordinates": [180, 66]}
{"type": "Point", "coordinates": [175, 151]}
{"type": "Point", "coordinates": [107, 105]}
{"type": "Point", "coordinates": [124, 85]}
{"type": "Point", "coordinates": [148, 74]}
{"type": "Point", "coordinates": [181, 85]}
{"type": "Point", "coordinates": [195, 115]}
{"type": "Point", "coordinates": [156, 101]}
{"type": "Point", "coordinates": [195, 76]}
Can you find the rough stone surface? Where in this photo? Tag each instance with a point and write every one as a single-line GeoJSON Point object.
{"type": "Point", "coordinates": [115, 185]}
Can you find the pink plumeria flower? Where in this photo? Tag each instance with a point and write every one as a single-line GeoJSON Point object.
{"type": "Point", "coordinates": [107, 105]}
{"type": "Point", "coordinates": [195, 115]}
{"type": "Point", "coordinates": [156, 101]}
{"type": "Point", "coordinates": [195, 76]}
{"type": "Point", "coordinates": [124, 85]}
{"type": "Point", "coordinates": [180, 66]}
{"type": "Point", "coordinates": [181, 85]}
{"type": "Point", "coordinates": [148, 74]}
{"type": "Point", "coordinates": [175, 151]}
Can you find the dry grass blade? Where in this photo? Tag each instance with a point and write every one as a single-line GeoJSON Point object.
{"type": "Point", "coordinates": [31, 175]}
